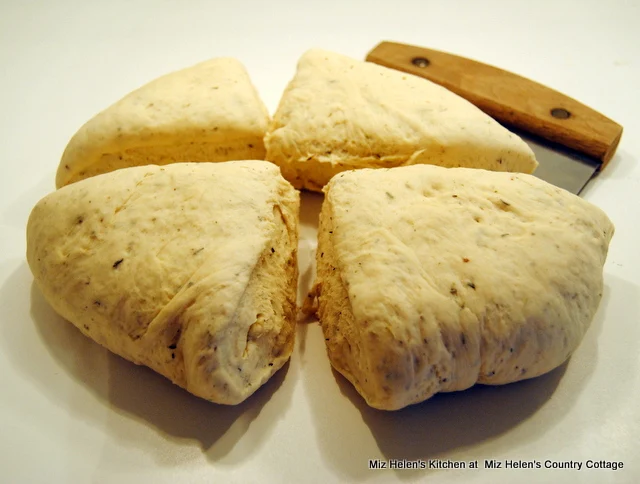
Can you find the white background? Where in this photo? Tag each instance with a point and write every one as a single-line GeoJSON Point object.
{"type": "Point", "coordinates": [72, 412]}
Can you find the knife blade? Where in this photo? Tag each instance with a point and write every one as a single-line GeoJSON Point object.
{"type": "Point", "coordinates": [571, 141]}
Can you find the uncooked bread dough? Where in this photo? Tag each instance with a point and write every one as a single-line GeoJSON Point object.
{"type": "Point", "coordinates": [189, 269]}
{"type": "Point", "coordinates": [433, 279]}
{"type": "Point", "coordinates": [208, 112]}
{"type": "Point", "coordinates": [339, 114]}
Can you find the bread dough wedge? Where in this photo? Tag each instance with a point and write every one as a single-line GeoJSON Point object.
{"type": "Point", "coordinates": [189, 269]}
{"type": "Point", "coordinates": [339, 114]}
{"type": "Point", "coordinates": [433, 279]}
{"type": "Point", "coordinates": [208, 112]}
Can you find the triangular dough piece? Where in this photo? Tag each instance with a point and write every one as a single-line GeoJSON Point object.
{"type": "Point", "coordinates": [207, 112]}
{"type": "Point", "coordinates": [340, 114]}
{"type": "Point", "coordinates": [432, 279]}
{"type": "Point", "coordinates": [189, 269]}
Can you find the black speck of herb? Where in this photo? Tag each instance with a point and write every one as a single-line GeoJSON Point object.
{"type": "Point", "coordinates": [272, 250]}
{"type": "Point", "coordinates": [524, 370]}
{"type": "Point", "coordinates": [453, 291]}
{"type": "Point", "coordinates": [500, 161]}
{"type": "Point", "coordinates": [463, 339]}
{"type": "Point", "coordinates": [172, 346]}
{"type": "Point", "coordinates": [506, 204]}
{"type": "Point", "coordinates": [117, 263]}
{"type": "Point", "coordinates": [464, 259]}
{"type": "Point", "coordinates": [444, 380]}
{"type": "Point", "coordinates": [322, 255]}
{"type": "Point", "coordinates": [97, 303]}
{"type": "Point", "coordinates": [454, 196]}
{"type": "Point", "coordinates": [510, 350]}
{"type": "Point", "coordinates": [240, 369]}
{"type": "Point", "coordinates": [471, 285]}
{"type": "Point", "coordinates": [196, 252]}
{"type": "Point", "coordinates": [390, 196]}
{"type": "Point", "coordinates": [270, 364]}
{"type": "Point", "coordinates": [250, 145]}
{"type": "Point", "coordinates": [79, 220]}
{"type": "Point", "coordinates": [191, 283]}
{"type": "Point", "coordinates": [504, 235]}
{"type": "Point", "coordinates": [330, 231]}
{"type": "Point", "coordinates": [215, 348]}
{"type": "Point", "coordinates": [491, 373]}
{"type": "Point", "coordinates": [425, 341]}
{"type": "Point", "coordinates": [173, 356]}
{"type": "Point", "coordinates": [86, 327]}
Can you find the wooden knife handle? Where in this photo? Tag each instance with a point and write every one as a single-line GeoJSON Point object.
{"type": "Point", "coordinates": [509, 98]}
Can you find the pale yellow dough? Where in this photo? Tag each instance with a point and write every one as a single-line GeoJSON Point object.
{"type": "Point", "coordinates": [208, 112]}
{"type": "Point", "coordinates": [339, 114]}
{"type": "Point", "coordinates": [189, 269]}
{"type": "Point", "coordinates": [433, 279]}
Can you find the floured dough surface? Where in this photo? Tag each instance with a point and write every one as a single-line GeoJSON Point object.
{"type": "Point", "coordinates": [339, 114]}
{"type": "Point", "coordinates": [208, 112]}
{"type": "Point", "coordinates": [189, 269]}
{"type": "Point", "coordinates": [433, 279]}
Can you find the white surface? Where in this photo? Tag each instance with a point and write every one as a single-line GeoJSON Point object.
{"type": "Point", "coordinates": [71, 412]}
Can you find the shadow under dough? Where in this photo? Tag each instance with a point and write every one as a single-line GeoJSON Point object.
{"type": "Point", "coordinates": [310, 207]}
{"type": "Point", "coordinates": [448, 421]}
{"type": "Point", "coordinates": [139, 392]}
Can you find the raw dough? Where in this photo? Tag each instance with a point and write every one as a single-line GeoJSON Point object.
{"type": "Point", "coordinates": [433, 279]}
{"type": "Point", "coordinates": [339, 114]}
{"type": "Point", "coordinates": [189, 269]}
{"type": "Point", "coordinates": [207, 112]}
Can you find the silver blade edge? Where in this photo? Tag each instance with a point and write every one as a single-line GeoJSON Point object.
{"type": "Point", "coordinates": [559, 165]}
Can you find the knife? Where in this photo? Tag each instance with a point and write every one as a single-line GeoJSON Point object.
{"type": "Point", "coordinates": [571, 141]}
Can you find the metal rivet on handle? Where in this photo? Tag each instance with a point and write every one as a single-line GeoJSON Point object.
{"type": "Point", "coordinates": [420, 62]}
{"type": "Point", "coordinates": [560, 113]}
